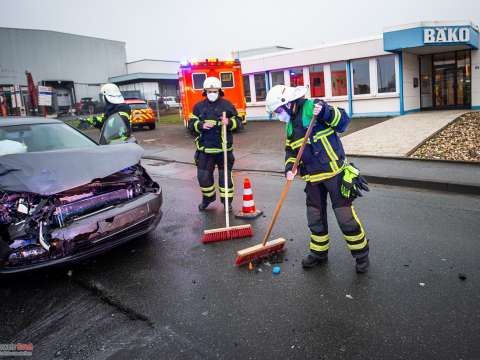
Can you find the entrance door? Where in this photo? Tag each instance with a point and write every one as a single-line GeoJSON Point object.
{"type": "Point", "coordinates": [445, 80]}
{"type": "Point", "coordinates": [444, 87]}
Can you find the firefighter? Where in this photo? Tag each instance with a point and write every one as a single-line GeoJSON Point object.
{"type": "Point", "coordinates": [114, 103]}
{"type": "Point", "coordinates": [206, 121]}
{"type": "Point", "coordinates": [325, 170]}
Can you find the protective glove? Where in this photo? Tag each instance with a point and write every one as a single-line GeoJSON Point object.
{"type": "Point", "coordinates": [352, 183]}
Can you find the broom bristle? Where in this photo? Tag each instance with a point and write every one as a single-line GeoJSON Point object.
{"type": "Point", "coordinates": [259, 251]}
{"type": "Point", "coordinates": [234, 232]}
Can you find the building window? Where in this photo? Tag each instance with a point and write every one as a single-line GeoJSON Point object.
{"type": "Point", "coordinates": [361, 76]}
{"type": "Point", "coordinates": [197, 80]}
{"type": "Point", "coordinates": [246, 88]}
{"type": "Point", "coordinates": [296, 77]}
{"type": "Point", "coordinates": [317, 83]}
{"type": "Point", "coordinates": [227, 79]}
{"type": "Point", "coordinates": [386, 74]}
{"type": "Point", "coordinates": [260, 86]}
{"type": "Point", "coordinates": [338, 72]}
{"type": "Point", "coordinates": [278, 78]}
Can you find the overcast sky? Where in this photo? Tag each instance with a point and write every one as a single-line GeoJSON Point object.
{"type": "Point", "coordinates": [177, 30]}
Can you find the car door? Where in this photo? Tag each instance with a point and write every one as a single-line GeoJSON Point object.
{"type": "Point", "coordinates": [115, 131]}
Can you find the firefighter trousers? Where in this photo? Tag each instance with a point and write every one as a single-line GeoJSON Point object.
{"type": "Point", "coordinates": [350, 225]}
{"type": "Point", "coordinates": [206, 164]}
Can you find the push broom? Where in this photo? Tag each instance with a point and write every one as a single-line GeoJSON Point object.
{"type": "Point", "coordinates": [228, 232]}
{"type": "Point", "coordinates": [266, 248]}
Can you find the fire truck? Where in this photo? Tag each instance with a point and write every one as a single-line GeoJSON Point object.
{"type": "Point", "coordinates": [192, 74]}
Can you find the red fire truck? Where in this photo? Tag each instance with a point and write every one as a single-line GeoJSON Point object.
{"type": "Point", "coordinates": [192, 74]}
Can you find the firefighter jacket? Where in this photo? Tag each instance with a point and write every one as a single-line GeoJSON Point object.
{"type": "Point", "coordinates": [323, 156]}
{"type": "Point", "coordinates": [209, 141]}
{"type": "Point", "coordinates": [122, 109]}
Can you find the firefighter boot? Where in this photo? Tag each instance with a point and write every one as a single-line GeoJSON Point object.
{"type": "Point", "coordinates": [312, 260]}
{"type": "Point", "coordinates": [230, 208]}
{"type": "Point", "coordinates": [362, 264]}
{"type": "Point", "coordinates": [204, 204]}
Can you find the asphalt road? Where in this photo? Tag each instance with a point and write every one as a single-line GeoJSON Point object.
{"type": "Point", "coordinates": [167, 296]}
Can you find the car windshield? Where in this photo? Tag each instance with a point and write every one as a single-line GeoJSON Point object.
{"type": "Point", "coordinates": [138, 106]}
{"type": "Point", "coordinates": [41, 137]}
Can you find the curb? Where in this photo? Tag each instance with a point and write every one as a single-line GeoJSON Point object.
{"type": "Point", "coordinates": [470, 189]}
{"type": "Point", "coordinates": [381, 157]}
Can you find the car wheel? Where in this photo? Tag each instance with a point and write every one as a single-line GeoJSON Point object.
{"type": "Point", "coordinates": [151, 126]}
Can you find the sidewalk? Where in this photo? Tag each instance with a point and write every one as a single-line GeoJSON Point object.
{"type": "Point", "coordinates": [398, 136]}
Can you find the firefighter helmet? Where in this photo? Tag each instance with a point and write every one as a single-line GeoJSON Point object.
{"type": "Point", "coordinates": [212, 83]}
{"type": "Point", "coordinates": [281, 95]}
{"type": "Point", "coordinates": [112, 94]}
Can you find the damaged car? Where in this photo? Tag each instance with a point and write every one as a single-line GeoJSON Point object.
{"type": "Point", "coordinates": [64, 198]}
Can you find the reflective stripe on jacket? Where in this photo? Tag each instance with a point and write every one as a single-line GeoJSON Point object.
{"type": "Point", "coordinates": [122, 109]}
{"type": "Point", "coordinates": [210, 140]}
{"type": "Point", "coordinates": [323, 156]}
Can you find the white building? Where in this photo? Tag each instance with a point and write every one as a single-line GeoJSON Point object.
{"type": "Point", "coordinates": [150, 77]}
{"type": "Point", "coordinates": [426, 65]}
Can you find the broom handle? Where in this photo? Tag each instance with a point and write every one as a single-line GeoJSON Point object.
{"type": "Point", "coordinates": [225, 170]}
{"type": "Point", "coordinates": [289, 182]}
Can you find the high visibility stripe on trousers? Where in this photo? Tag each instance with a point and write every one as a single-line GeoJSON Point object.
{"type": "Point", "coordinates": [231, 192]}
{"type": "Point", "coordinates": [208, 191]}
{"type": "Point", "coordinates": [319, 243]}
{"type": "Point", "coordinates": [356, 242]}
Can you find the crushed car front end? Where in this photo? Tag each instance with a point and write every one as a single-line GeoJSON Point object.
{"type": "Point", "coordinates": [39, 229]}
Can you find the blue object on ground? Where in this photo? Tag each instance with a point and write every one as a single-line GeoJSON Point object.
{"type": "Point", "coordinates": [276, 270]}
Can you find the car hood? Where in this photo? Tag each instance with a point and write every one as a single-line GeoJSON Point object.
{"type": "Point", "coordinates": [51, 172]}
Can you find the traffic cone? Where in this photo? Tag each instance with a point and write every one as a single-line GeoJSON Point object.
{"type": "Point", "coordinates": [249, 210]}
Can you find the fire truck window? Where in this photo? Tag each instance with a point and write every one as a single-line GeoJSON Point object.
{"type": "Point", "coordinates": [197, 80]}
{"type": "Point", "coordinates": [226, 79]}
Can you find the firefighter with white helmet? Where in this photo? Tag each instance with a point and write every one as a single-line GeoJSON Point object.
{"type": "Point", "coordinates": [114, 103]}
{"type": "Point", "coordinates": [206, 122]}
{"type": "Point", "coordinates": [324, 168]}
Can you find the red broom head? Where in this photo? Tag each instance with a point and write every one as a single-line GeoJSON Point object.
{"type": "Point", "coordinates": [262, 252]}
{"type": "Point", "coordinates": [234, 232]}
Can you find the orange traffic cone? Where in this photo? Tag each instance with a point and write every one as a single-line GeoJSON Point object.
{"type": "Point", "coordinates": [249, 210]}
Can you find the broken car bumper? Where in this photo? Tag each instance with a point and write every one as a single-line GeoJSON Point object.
{"type": "Point", "coordinates": [95, 233]}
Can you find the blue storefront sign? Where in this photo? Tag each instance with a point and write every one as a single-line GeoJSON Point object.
{"type": "Point", "coordinates": [420, 36]}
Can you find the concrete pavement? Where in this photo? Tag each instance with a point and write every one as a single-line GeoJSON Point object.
{"type": "Point", "coordinates": [400, 135]}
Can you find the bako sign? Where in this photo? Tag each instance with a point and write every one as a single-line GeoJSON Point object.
{"type": "Point", "coordinates": [442, 35]}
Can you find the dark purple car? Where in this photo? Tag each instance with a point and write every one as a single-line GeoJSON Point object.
{"type": "Point", "coordinates": [64, 197]}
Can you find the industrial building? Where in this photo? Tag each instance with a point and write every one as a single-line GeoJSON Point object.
{"type": "Point", "coordinates": [74, 66]}
{"type": "Point", "coordinates": [421, 66]}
